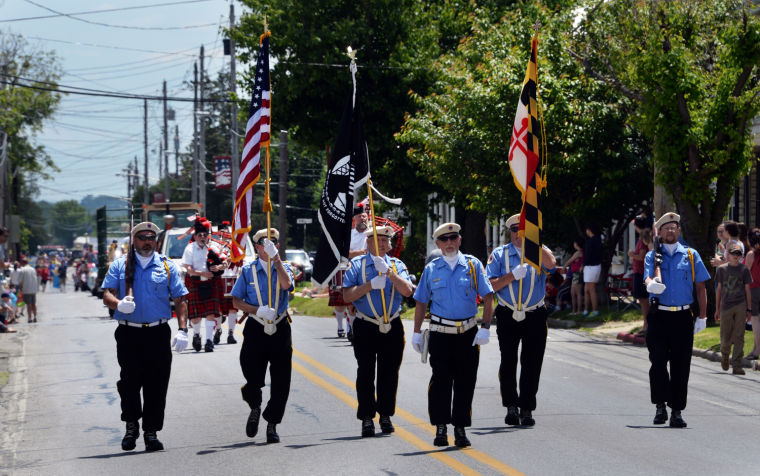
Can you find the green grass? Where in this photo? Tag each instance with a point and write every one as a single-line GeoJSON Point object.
{"type": "Point", "coordinates": [710, 339]}
{"type": "Point", "coordinates": [4, 378]}
{"type": "Point", "coordinates": [604, 316]}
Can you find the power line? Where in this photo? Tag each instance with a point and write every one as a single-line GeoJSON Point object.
{"type": "Point", "coordinates": [90, 12]}
{"type": "Point", "coordinates": [126, 27]}
{"type": "Point", "coordinates": [94, 45]}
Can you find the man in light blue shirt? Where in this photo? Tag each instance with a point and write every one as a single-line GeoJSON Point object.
{"type": "Point", "coordinates": [452, 284]}
{"type": "Point", "coordinates": [138, 287]}
{"type": "Point", "coordinates": [521, 318]}
{"type": "Point", "coordinates": [670, 336]}
{"type": "Point", "coordinates": [372, 277]}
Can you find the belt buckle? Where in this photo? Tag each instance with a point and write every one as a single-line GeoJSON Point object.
{"type": "Point", "coordinates": [458, 323]}
{"type": "Point", "coordinates": [146, 324]}
{"type": "Point", "coordinates": [673, 308]}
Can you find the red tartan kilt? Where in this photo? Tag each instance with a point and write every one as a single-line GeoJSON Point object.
{"type": "Point", "coordinates": [202, 308]}
{"type": "Point", "coordinates": [227, 305]}
{"type": "Point", "coordinates": [336, 290]}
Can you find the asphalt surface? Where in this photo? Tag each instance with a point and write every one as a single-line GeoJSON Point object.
{"type": "Point", "coordinates": [60, 411]}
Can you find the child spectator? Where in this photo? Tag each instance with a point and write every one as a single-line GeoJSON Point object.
{"type": "Point", "coordinates": [733, 306]}
{"type": "Point", "coordinates": [6, 314]}
{"type": "Point", "coordinates": [575, 262]}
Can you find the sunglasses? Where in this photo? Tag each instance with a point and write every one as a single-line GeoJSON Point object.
{"type": "Point", "coordinates": [146, 237]}
{"type": "Point", "coordinates": [449, 237]}
{"type": "Point", "coordinates": [514, 228]}
{"type": "Point", "coordinates": [201, 233]}
{"type": "Point", "coordinates": [735, 252]}
{"type": "Point", "coordinates": [261, 241]}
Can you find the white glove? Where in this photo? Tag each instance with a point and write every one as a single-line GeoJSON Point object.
{"type": "Point", "coordinates": [265, 312]}
{"type": "Point", "coordinates": [378, 282]}
{"type": "Point", "coordinates": [655, 286]}
{"type": "Point", "coordinates": [483, 337]}
{"type": "Point", "coordinates": [380, 265]}
{"type": "Point", "coordinates": [417, 342]}
{"type": "Point", "coordinates": [180, 341]}
{"type": "Point", "coordinates": [700, 324]}
{"type": "Point", "coordinates": [520, 271]}
{"type": "Point", "coordinates": [269, 248]}
{"type": "Point", "coordinates": [126, 305]}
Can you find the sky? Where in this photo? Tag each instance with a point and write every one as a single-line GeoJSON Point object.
{"type": "Point", "coordinates": [92, 139]}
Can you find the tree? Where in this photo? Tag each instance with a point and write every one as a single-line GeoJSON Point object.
{"type": "Point", "coordinates": [69, 220]}
{"type": "Point", "coordinates": [692, 71]}
{"type": "Point", "coordinates": [598, 165]}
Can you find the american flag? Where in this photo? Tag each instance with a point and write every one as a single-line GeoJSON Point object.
{"type": "Point", "coordinates": [223, 171]}
{"type": "Point", "coordinates": [256, 139]}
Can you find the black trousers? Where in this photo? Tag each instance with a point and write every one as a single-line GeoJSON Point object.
{"type": "Point", "coordinates": [532, 332]}
{"type": "Point", "coordinates": [145, 358]}
{"type": "Point", "coordinates": [386, 350]}
{"type": "Point", "coordinates": [670, 338]}
{"type": "Point", "coordinates": [455, 368]}
{"type": "Point", "coordinates": [258, 351]}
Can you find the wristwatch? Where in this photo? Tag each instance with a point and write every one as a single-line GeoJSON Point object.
{"type": "Point", "coordinates": [184, 329]}
{"type": "Point", "coordinates": [485, 325]}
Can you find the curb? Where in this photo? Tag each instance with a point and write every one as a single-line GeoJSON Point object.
{"type": "Point", "coordinates": [695, 351]}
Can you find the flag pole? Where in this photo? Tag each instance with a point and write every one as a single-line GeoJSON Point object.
{"type": "Point", "coordinates": [267, 165]}
{"type": "Point", "coordinates": [352, 67]}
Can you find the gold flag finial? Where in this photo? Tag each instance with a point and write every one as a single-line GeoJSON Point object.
{"type": "Point", "coordinates": [351, 53]}
{"type": "Point", "coordinates": [266, 24]}
{"type": "Point", "coordinates": [537, 26]}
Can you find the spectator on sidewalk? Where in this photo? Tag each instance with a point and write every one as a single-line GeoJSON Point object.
{"type": "Point", "coordinates": [752, 262]}
{"type": "Point", "coordinates": [637, 263]}
{"type": "Point", "coordinates": [592, 270]}
{"type": "Point", "coordinates": [29, 287]}
{"type": "Point", "coordinates": [6, 314]}
{"type": "Point", "coordinates": [3, 241]}
{"type": "Point", "coordinates": [575, 262]}
{"type": "Point", "coordinates": [733, 307]}
{"type": "Point", "coordinates": [730, 235]}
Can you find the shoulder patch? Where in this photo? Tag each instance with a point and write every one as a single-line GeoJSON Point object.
{"type": "Point", "coordinates": [490, 258]}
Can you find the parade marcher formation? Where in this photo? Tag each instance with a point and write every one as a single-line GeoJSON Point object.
{"type": "Point", "coordinates": [521, 319]}
{"type": "Point", "coordinates": [377, 344]}
{"type": "Point", "coordinates": [139, 287]}
{"type": "Point", "coordinates": [671, 273]}
{"type": "Point", "coordinates": [452, 284]}
{"type": "Point", "coordinates": [262, 292]}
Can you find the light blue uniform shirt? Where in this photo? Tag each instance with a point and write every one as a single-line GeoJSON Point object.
{"type": "Point", "coordinates": [496, 268]}
{"type": "Point", "coordinates": [151, 288]}
{"type": "Point", "coordinates": [676, 275]}
{"type": "Point", "coordinates": [245, 290]}
{"type": "Point", "coordinates": [353, 277]}
{"type": "Point", "coordinates": [453, 291]}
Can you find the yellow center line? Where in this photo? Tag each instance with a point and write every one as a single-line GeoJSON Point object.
{"type": "Point", "coordinates": [479, 456]}
{"type": "Point", "coordinates": [404, 434]}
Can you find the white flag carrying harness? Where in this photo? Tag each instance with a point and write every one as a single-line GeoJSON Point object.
{"type": "Point", "coordinates": [270, 327]}
{"type": "Point", "coordinates": [519, 315]}
{"type": "Point", "coordinates": [378, 319]}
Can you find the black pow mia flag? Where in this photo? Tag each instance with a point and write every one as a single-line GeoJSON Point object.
{"type": "Point", "coordinates": [348, 169]}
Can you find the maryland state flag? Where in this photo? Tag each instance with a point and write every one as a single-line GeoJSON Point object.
{"type": "Point", "coordinates": [525, 163]}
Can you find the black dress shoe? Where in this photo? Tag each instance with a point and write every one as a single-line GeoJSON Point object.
{"type": "Point", "coordinates": [661, 415]}
{"type": "Point", "coordinates": [460, 437]}
{"type": "Point", "coordinates": [231, 338]}
{"type": "Point", "coordinates": [526, 418]}
{"type": "Point", "coordinates": [441, 436]}
{"type": "Point", "coordinates": [272, 436]}
{"type": "Point", "coordinates": [385, 424]}
{"type": "Point", "coordinates": [252, 425]}
{"type": "Point", "coordinates": [676, 421]}
{"type": "Point", "coordinates": [209, 346]}
{"type": "Point", "coordinates": [217, 336]}
{"type": "Point", "coordinates": [512, 418]}
{"type": "Point", "coordinates": [129, 442]}
{"type": "Point", "coordinates": [197, 342]}
{"type": "Point", "coordinates": [151, 441]}
{"type": "Point", "coordinates": [368, 428]}
{"type": "Point", "coordinates": [341, 333]}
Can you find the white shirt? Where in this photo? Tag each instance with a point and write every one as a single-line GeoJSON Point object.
{"type": "Point", "coordinates": [195, 256]}
{"type": "Point", "coordinates": [28, 280]}
{"type": "Point", "coordinates": [358, 241]}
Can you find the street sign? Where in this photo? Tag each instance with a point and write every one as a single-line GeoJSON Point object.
{"type": "Point", "coordinates": [303, 221]}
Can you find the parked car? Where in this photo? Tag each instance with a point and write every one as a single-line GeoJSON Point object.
{"type": "Point", "coordinates": [300, 260]}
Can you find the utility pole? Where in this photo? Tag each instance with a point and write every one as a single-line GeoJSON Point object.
{"type": "Point", "coordinates": [202, 160]}
{"type": "Point", "coordinates": [194, 186]}
{"type": "Point", "coordinates": [234, 141]}
{"type": "Point", "coordinates": [176, 151]}
{"type": "Point", "coordinates": [283, 190]}
{"type": "Point", "coordinates": [145, 143]}
{"type": "Point", "coordinates": [166, 151]}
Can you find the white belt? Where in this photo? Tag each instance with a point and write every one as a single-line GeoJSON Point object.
{"type": "Point", "coordinates": [673, 308]}
{"type": "Point", "coordinates": [456, 327]}
{"type": "Point", "coordinates": [376, 320]}
{"type": "Point", "coordinates": [143, 324]}
{"type": "Point", "coordinates": [526, 309]}
{"type": "Point", "coordinates": [450, 322]}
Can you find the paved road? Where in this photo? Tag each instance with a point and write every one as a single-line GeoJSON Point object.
{"type": "Point", "coordinates": [60, 411]}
